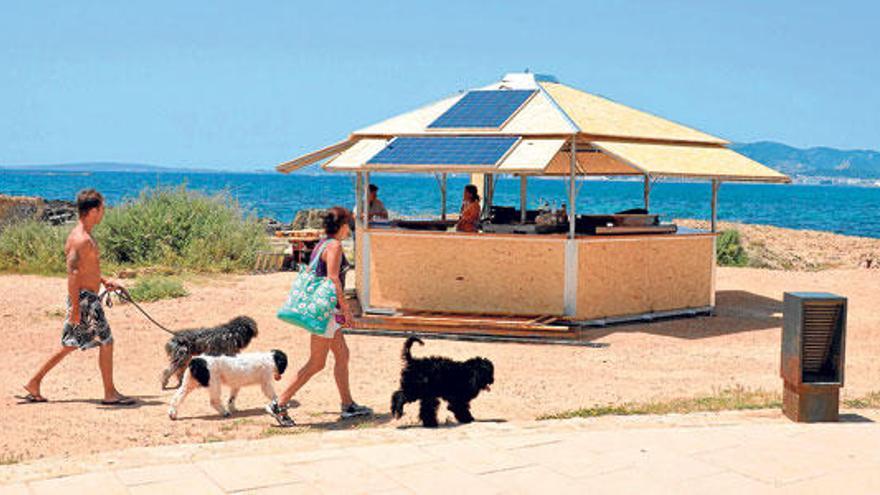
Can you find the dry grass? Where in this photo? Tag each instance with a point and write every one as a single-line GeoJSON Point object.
{"type": "Point", "coordinates": [729, 399]}
{"type": "Point", "coordinates": [9, 458]}
{"type": "Point", "coordinates": [870, 401]}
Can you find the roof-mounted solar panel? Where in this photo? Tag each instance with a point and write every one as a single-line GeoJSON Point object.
{"type": "Point", "coordinates": [483, 109]}
{"type": "Point", "coordinates": [442, 150]}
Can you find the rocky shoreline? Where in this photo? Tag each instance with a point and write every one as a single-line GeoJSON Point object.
{"type": "Point", "coordinates": [18, 208]}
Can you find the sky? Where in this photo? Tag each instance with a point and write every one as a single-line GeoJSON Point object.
{"type": "Point", "coordinates": [247, 85]}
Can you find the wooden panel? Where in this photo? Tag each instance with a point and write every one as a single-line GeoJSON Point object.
{"type": "Point", "coordinates": [667, 160]}
{"type": "Point", "coordinates": [619, 277]}
{"type": "Point", "coordinates": [612, 279]}
{"type": "Point", "coordinates": [600, 116]}
{"type": "Point", "coordinates": [467, 273]}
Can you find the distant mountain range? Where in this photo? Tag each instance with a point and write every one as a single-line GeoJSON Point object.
{"type": "Point", "coordinates": [814, 162]}
{"type": "Point", "coordinates": [798, 163]}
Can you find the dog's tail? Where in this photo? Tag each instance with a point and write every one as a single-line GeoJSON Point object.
{"type": "Point", "coordinates": [198, 368]}
{"type": "Point", "coordinates": [406, 355]}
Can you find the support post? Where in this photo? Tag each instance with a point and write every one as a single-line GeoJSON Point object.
{"type": "Point", "coordinates": [523, 185]}
{"type": "Point", "coordinates": [365, 211]}
{"type": "Point", "coordinates": [364, 292]}
{"type": "Point", "coordinates": [571, 245]}
{"type": "Point", "coordinates": [715, 185]}
{"type": "Point", "coordinates": [647, 192]}
{"type": "Point", "coordinates": [488, 193]}
{"type": "Point", "coordinates": [571, 187]}
{"type": "Point", "coordinates": [443, 196]}
{"type": "Point", "coordinates": [358, 197]}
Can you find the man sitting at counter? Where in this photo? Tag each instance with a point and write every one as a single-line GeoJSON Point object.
{"type": "Point", "coordinates": [469, 219]}
{"type": "Point", "coordinates": [377, 208]}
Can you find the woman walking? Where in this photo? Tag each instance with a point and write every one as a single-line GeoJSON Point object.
{"type": "Point", "coordinates": [331, 263]}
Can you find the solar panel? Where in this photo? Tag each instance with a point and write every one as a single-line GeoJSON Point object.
{"type": "Point", "coordinates": [442, 150]}
{"type": "Point", "coordinates": [477, 109]}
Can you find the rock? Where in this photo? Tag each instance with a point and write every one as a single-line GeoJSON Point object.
{"type": "Point", "coordinates": [309, 219]}
{"type": "Point", "coordinates": [273, 225]}
{"type": "Point", "coordinates": [58, 212]}
{"type": "Point", "coordinates": [18, 208]}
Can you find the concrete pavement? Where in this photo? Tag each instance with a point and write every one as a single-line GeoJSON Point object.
{"type": "Point", "coordinates": [745, 452]}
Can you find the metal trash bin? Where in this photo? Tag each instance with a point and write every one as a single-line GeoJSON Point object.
{"type": "Point", "coordinates": [813, 349]}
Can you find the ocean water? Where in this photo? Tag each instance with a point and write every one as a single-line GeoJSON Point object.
{"type": "Point", "coordinates": [841, 209]}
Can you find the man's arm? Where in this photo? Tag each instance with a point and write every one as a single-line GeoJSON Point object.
{"type": "Point", "coordinates": [73, 287]}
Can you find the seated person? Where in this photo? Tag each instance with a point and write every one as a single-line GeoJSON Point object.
{"type": "Point", "coordinates": [469, 220]}
{"type": "Point", "coordinates": [377, 209]}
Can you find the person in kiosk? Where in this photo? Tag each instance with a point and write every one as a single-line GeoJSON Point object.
{"type": "Point", "coordinates": [469, 219]}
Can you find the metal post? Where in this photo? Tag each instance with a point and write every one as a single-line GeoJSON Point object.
{"type": "Point", "coordinates": [366, 195]}
{"type": "Point", "coordinates": [488, 192]}
{"type": "Point", "coordinates": [647, 192]}
{"type": "Point", "coordinates": [358, 197]}
{"type": "Point", "coordinates": [715, 185]}
{"type": "Point", "coordinates": [571, 190]}
{"type": "Point", "coordinates": [522, 197]}
{"type": "Point", "coordinates": [443, 196]}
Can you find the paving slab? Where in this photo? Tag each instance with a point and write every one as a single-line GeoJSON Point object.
{"type": "Point", "coordinates": [757, 454]}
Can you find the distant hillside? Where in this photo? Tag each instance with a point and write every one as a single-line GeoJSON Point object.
{"type": "Point", "coordinates": [814, 162]}
{"type": "Point", "coordinates": [100, 167]}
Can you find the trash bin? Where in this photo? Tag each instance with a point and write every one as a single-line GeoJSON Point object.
{"type": "Point", "coordinates": [813, 349]}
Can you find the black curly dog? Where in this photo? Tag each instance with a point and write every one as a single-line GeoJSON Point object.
{"type": "Point", "coordinates": [433, 378]}
{"type": "Point", "coordinates": [227, 339]}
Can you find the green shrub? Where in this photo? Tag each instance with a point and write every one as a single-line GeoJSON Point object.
{"type": "Point", "coordinates": [181, 228]}
{"type": "Point", "coordinates": [154, 288]}
{"type": "Point", "coordinates": [33, 247]}
{"type": "Point", "coordinates": [729, 250]}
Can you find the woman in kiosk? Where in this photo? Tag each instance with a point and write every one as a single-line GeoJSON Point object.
{"type": "Point", "coordinates": [469, 219]}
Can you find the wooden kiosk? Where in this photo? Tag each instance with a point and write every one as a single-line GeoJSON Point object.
{"type": "Point", "coordinates": [517, 276]}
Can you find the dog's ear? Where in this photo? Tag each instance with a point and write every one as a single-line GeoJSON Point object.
{"type": "Point", "coordinates": [482, 372]}
{"type": "Point", "coordinates": [198, 368]}
{"type": "Point", "coordinates": [280, 361]}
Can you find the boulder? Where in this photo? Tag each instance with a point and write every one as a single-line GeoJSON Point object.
{"type": "Point", "coordinates": [18, 208]}
{"type": "Point", "coordinates": [309, 219]}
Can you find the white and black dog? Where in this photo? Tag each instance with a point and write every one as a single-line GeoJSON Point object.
{"type": "Point", "coordinates": [234, 372]}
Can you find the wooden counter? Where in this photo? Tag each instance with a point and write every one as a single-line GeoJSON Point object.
{"type": "Point", "coordinates": [517, 274]}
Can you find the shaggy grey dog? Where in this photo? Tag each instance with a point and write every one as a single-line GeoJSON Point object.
{"type": "Point", "coordinates": [227, 339]}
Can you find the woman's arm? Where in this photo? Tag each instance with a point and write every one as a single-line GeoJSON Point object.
{"type": "Point", "coordinates": [333, 258]}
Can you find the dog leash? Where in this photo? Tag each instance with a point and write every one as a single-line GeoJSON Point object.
{"type": "Point", "coordinates": [123, 294]}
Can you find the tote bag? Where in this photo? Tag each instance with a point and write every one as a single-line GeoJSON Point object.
{"type": "Point", "coordinates": [312, 299]}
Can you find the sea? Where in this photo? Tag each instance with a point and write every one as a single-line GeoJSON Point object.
{"type": "Point", "coordinates": [846, 210]}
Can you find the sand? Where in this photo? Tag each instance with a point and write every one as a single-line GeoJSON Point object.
{"type": "Point", "coordinates": [678, 358]}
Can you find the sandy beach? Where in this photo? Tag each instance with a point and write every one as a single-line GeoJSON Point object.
{"type": "Point", "coordinates": [676, 358]}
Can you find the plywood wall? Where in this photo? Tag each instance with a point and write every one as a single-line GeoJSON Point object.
{"type": "Point", "coordinates": [618, 277]}
{"type": "Point", "coordinates": [467, 273]}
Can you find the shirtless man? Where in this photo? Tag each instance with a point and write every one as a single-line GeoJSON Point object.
{"type": "Point", "coordinates": [85, 327]}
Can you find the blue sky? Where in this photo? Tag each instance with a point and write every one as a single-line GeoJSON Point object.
{"type": "Point", "coordinates": [249, 84]}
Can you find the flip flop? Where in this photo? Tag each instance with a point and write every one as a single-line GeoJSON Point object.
{"type": "Point", "coordinates": [34, 399]}
{"type": "Point", "coordinates": [121, 401]}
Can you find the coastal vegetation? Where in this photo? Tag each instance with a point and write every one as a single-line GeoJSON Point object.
{"type": "Point", "coordinates": [32, 247]}
{"type": "Point", "coordinates": [729, 249]}
{"type": "Point", "coordinates": [171, 227]}
{"type": "Point", "coordinates": [157, 287]}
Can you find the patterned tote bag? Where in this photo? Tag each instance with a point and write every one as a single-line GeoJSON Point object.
{"type": "Point", "coordinates": [312, 299]}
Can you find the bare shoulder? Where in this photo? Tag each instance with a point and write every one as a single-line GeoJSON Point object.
{"type": "Point", "coordinates": [78, 241]}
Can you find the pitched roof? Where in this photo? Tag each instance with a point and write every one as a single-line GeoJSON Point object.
{"type": "Point", "coordinates": [612, 139]}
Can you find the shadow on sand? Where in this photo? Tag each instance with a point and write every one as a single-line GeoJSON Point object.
{"type": "Point", "coordinates": [736, 311]}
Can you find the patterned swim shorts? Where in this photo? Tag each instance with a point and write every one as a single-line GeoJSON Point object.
{"type": "Point", "coordinates": [93, 329]}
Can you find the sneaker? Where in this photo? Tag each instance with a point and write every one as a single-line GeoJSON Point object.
{"type": "Point", "coordinates": [355, 410]}
{"type": "Point", "coordinates": [279, 412]}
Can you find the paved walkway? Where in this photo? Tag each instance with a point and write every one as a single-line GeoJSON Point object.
{"type": "Point", "coordinates": [726, 453]}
